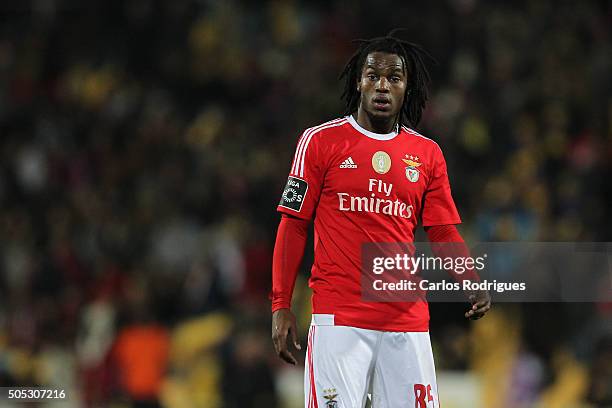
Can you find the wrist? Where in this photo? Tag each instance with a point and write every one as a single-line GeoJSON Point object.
{"type": "Point", "coordinates": [278, 305]}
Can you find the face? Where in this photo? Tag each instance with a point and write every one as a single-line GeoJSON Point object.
{"type": "Point", "coordinates": [382, 85]}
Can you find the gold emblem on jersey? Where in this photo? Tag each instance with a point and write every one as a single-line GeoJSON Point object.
{"type": "Point", "coordinates": [330, 395]}
{"type": "Point", "coordinates": [381, 162]}
{"type": "Point", "coordinates": [412, 171]}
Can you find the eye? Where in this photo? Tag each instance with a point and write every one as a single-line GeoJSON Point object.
{"type": "Point", "coordinates": [372, 77]}
{"type": "Point", "coordinates": [395, 78]}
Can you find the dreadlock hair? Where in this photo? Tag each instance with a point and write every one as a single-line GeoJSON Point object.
{"type": "Point", "coordinates": [413, 57]}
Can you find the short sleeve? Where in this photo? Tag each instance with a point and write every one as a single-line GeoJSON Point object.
{"type": "Point", "coordinates": [438, 205]}
{"type": "Point", "coordinates": [303, 189]}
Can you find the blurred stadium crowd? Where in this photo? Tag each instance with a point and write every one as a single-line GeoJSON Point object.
{"type": "Point", "coordinates": [144, 145]}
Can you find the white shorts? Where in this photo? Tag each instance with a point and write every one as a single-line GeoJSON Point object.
{"type": "Point", "coordinates": [345, 364]}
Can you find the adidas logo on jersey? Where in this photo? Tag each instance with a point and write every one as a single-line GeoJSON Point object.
{"type": "Point", "coordinates": [348, 164]}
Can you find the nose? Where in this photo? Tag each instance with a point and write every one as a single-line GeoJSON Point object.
{"type": "Point", "coordinates": [382, 85]}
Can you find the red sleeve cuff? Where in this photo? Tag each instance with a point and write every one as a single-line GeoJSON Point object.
{"type": "Point", "coordinates": [280, 304]}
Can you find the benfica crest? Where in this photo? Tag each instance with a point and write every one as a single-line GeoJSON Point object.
{"type": "Point", "coordinates": [330, 395]}
{"type": "Point", "coordinates": [412, 171]}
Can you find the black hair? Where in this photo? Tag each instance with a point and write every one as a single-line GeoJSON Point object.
{"type": "Point", "coordinates": [413, 57]}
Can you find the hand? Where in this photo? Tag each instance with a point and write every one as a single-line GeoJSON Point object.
{"type": "Point", "coordinates": [284, 325]}
{"type": "Point", "coordinates": [481, 303]}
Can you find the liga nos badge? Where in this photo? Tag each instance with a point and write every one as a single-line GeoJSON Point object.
{"type": "Point", "coordinates": [294, 193]}
{"type": "Point", "coordinates": [412, 171]}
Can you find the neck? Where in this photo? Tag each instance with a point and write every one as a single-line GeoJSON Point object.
{"type": "Point", "coordinates": [373, 125]}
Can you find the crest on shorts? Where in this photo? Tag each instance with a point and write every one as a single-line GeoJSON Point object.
{"type": "Point", "coordinates": [412, 171]}
{"type": "Point", "coordinates": [330, 395]}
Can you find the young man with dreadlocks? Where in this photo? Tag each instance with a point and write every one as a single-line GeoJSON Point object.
{"type": "Point", "coordinates": [351, 172]}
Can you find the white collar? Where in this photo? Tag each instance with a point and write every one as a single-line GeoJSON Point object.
{"type": "Point", "coordinates": [377, 136]}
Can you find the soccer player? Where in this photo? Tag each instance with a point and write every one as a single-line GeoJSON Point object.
{"type": "Point", "coordinates": [365, 177]}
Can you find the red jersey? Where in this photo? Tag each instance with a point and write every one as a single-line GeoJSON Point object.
{"type": "Point", "coordinates": [364, 187]}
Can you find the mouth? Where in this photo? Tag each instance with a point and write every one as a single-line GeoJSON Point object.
{"type": "Point", "coordinates": [381, 103]}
